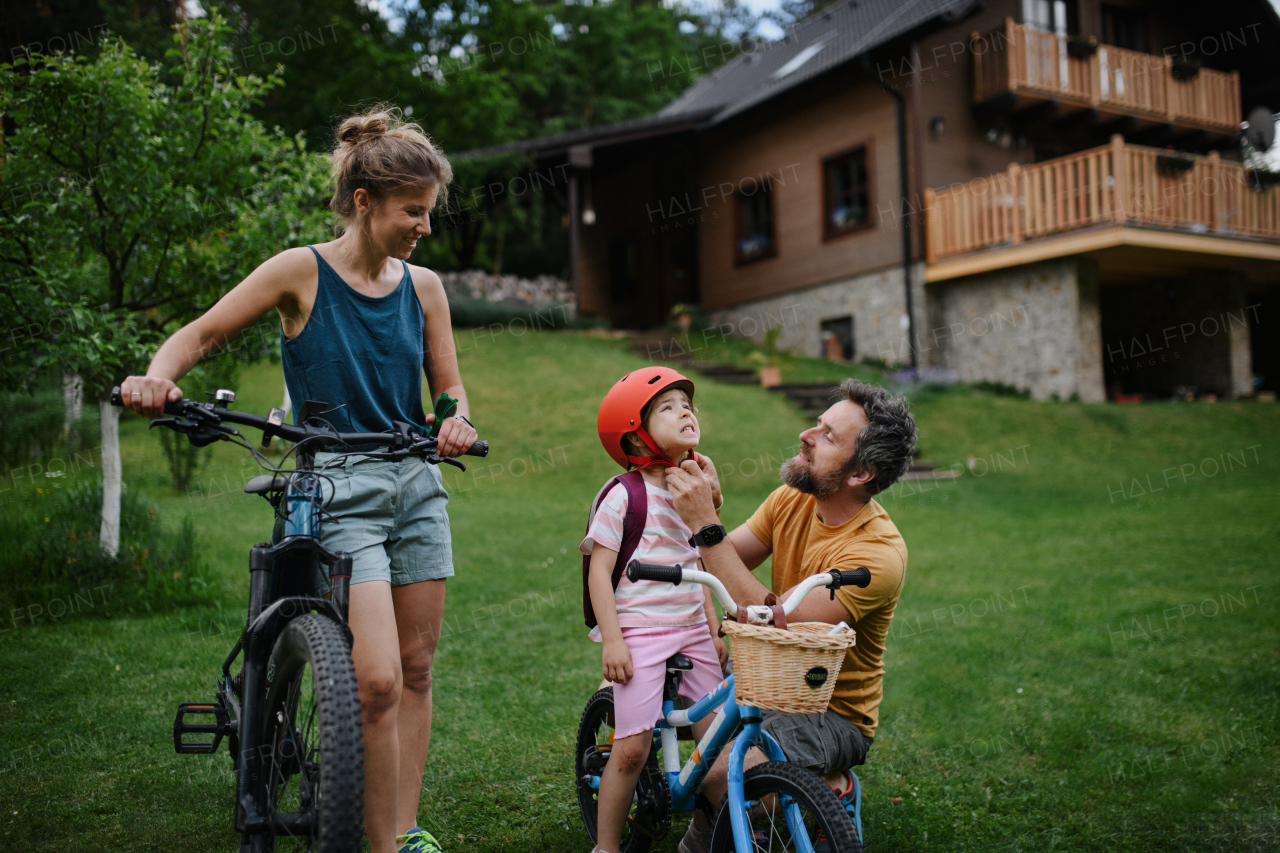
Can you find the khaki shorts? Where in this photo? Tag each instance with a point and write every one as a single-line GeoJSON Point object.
{"type": "Point", "coordinates": [390, 516]}
{"type": "Point", "coordinates": [824, 743]}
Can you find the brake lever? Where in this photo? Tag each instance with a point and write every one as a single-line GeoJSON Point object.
{"type": "Point", "coordinates": [437, 459]}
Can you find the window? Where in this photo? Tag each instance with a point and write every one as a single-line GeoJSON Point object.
{"type": "Point", "coordinates": [837, 338]}
{"type": "Point", "coordinates": [846, 193]}
{"type": "Point", "coordinates": [755, 224]}
{"type": "Point", "coordinates": [1125, 28]}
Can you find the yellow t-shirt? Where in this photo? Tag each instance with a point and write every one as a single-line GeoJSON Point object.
{"type": "Point", "coordinates": [803, 546]}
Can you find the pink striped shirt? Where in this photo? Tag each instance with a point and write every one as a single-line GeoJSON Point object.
{"type": "Point", "coordinates": [665, 542]}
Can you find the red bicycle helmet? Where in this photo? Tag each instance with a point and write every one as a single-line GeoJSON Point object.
{"type": "Point", "coordinates": [620, 413]}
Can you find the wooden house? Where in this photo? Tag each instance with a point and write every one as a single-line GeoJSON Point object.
{"type": "Point", "coordinates": [1050, 195]}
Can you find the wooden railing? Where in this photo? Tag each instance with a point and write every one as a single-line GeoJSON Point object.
{"type": "Point", "coordinates": [1016, 59]}
{"type": "Point", "coordinates": [1114, 183]}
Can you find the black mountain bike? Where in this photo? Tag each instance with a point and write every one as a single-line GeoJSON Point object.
{"type": "Point", "coordinates": [291, 714]}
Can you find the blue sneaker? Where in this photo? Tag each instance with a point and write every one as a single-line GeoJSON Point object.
{"type": "Point", "coordinates": [418, 840]}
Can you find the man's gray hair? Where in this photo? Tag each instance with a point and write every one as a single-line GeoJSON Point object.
{"type": "Point", "coordinates": [888, 442]}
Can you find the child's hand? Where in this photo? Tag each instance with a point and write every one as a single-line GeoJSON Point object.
{"type": "Point", "coordinates": [617, 662]}
{"type": "Point", "coordinates": [722, 651]}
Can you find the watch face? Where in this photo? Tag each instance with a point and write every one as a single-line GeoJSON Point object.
{"type": "Point", "coordinates": [712, 534]}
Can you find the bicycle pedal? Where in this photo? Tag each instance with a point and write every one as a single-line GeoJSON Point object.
{"type": "Point", "coordinates": [181, 727]}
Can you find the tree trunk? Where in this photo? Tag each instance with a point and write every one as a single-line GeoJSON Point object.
{"type": "Point", "coordinates": [72, 399]}
{"type": "Point", "coordinates": [109, 535]}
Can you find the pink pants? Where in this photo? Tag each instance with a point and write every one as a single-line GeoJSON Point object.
{"type": "Point", "coordinates": [637, 705]}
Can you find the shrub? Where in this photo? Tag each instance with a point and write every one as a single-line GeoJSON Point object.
{"type": "Point", "coordinates": [49, 550]}
{"type": "Point", "coordinates": [1000, 389]}
{"type": "Point", "coordinates": [31, 427]}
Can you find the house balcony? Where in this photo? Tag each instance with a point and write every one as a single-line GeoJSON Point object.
{"type": "Point", "coordinates": [1017, 67]}
{"type": "Point", "coordinates": [1110, 196]}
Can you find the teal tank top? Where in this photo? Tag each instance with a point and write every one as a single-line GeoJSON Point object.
{"type": "Point", "coordinates": [361, 352]}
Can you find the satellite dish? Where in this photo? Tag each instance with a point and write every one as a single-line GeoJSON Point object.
{"type": "Point", "coordinates": [1262, 129]}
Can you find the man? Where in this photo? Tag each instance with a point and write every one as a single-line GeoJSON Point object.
{"type": "Point", "coordinates": [822, 518]}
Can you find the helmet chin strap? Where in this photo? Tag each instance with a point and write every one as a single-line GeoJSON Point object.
{"type": "Point", "coordinates": [657, 459]}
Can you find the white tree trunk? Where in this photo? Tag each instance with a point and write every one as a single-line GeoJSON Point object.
{"type": "Point", "coordinates": [109, 535]}
{"type": "Point", "coordinates": [287, 404]}
{"type": "Point", "coordinates": [72, 399]}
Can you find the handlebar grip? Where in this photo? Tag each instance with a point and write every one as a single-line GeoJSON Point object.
{"type": "Point", "coordinates": [480, 448]}
{"type": "Point", "coordinates": [171, 407]}
{"type": "Point", "coordinates": [638, 571]}
{"type": "Point", "coordinates": [858, 577]}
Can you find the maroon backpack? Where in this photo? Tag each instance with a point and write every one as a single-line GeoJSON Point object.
{"type": "Point", "coordinates": [632, 530]}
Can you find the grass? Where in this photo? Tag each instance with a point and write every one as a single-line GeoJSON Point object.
{"type": "Point", "coordinates": [1076, 664]}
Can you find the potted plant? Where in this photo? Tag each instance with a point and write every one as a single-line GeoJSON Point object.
{"type": "Point", "coordinates": [1082, 47]}
{"type": "Point", "coordinates": [1173, 163]}
{"type": "Point", "coordinates": [683, 313]}
{"type": "Point", "coordinates": [1186, 67]}
{"type": "Point", "coordinates": [770, 372]}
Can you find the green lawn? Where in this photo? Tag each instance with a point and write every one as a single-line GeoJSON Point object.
{"type": "Point", "coordinates": [1078, 662]}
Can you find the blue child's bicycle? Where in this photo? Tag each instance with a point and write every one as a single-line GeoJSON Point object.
{"type": "Point", "coordinates": [774, 806]}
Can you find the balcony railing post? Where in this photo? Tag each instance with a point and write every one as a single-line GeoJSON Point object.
{"type": "Point", "coordinates": [1216, 199]}
{"type": "Point", "coordinates": [1120, 190]}
{"type": "Point", "coordinates": [1012, 52]}
{"type": "Point", "coordinates": [1170, 88]}
{"type": "Point", "coordinates": [1015, 180]}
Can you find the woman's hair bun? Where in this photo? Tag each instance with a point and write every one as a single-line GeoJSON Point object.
{"type": "Point", "coordinates": [378, 151]}
{"type": "Point", "coordinates": [363, 128]}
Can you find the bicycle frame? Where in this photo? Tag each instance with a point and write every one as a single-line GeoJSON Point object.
{"type": "Point", "coordinates": [684, 782]}
{"type": "Point", "coordinates": [292, 559]}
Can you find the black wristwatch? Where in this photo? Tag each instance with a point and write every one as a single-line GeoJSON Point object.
{"type": "Point", "coordinates": [712, 534]}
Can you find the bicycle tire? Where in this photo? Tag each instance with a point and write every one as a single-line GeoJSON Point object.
{"type": "Point", "coordinates": [312, 739]}
{"type": "Point", "coordinates": [806, 789]}
{"type": "Point", "coordinates": [651, 815]}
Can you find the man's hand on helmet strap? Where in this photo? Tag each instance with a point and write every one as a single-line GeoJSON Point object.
{"type": "Point", "coordinates": [691, 494]}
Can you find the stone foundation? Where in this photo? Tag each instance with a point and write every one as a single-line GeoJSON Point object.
{"type": "Point", "coordinates": [876, 301]}
{"type": "Point", "coordinates": [1035, 328]}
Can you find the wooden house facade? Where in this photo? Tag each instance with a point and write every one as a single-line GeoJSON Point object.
{"type": "Point", "coordinates": [1030, 192]}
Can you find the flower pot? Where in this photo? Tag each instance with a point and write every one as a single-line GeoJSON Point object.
{"type": "Point", "coordinates": [770, 376]}
{"type": "Point", "coordinates": [1081, 47]}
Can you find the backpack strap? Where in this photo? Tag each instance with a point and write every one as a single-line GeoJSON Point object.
{"type": "Point", "coordinates": [632, 531]}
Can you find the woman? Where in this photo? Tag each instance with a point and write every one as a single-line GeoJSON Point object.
{"type": "Point", "coordinates": [358, 324]}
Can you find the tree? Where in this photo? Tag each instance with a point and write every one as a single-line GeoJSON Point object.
{"type": "Point", "coordinates": [503, 70]}
{"type": "Point", "coordinates": [137, 194]}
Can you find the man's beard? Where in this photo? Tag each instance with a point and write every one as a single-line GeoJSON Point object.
{"type": "Point", "coordinates": [803, 479]}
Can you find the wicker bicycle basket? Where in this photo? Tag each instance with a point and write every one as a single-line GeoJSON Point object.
{"type": "Point", "coordinates": [792, 671]}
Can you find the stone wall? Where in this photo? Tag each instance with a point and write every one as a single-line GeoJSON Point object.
{"type": "Point", "coordinates": [1034, 327]}
{"type": "Point", "coordinates": [478, 284]}
{"type": "Point", "coordinates": [875, 300]}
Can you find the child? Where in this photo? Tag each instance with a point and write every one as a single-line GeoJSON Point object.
{"type": "Point", "coordinates": [646, 420]}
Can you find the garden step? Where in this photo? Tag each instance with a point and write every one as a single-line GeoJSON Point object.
{"type": "Point", "coordinates": [650, 345]}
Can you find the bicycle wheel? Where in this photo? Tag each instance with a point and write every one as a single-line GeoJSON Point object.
{"type": "Point", "coordinates": [781, 797]}
{"type": "Point", "coordinates": [650, 816]}
{"type": "Point", "coordinates": [312, 773]}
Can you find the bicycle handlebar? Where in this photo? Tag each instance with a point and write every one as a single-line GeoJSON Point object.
{"type": "Point", "coordinates": [212, 415]}
{"type": "Point", "coordinates": [832, 580]}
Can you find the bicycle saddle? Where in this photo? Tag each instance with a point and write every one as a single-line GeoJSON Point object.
{"type": "Point", "coordinates": [679, 663]}
{"type": "Point", "coordinates": [264, 483]}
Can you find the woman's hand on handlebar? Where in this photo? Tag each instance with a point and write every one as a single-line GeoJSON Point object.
{"type": "Point", "coordinates": [456, 435]}
{"type": "Point", "coordinates": [147, 395]}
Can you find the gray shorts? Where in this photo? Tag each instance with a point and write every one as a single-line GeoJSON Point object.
{"type": "Point", "coordinates": [824, 743]}
{"type": "Point", "coordinates": [391, 518]}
